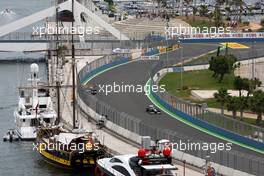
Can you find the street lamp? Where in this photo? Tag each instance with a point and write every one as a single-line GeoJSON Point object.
{"type": "Point", "coordinates": [167, 54]}
{"type": "Point", "coordinates": [253, 60]}
{"type": "Point", "coordinates": [181, 57]}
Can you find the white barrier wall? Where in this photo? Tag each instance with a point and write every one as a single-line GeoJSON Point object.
{"type": "Point", "coordinates": [109, 125]}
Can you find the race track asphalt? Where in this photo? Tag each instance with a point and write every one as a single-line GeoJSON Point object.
{"type": "Point", "coordinates": [137, 73]}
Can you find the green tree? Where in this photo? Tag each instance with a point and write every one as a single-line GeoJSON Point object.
{"type": "Point", "coordinates": [243, 104]}
{"type": "Point", "coordinates": [195, 10]}
{"type": "Point", "coordinates": [251, 85]}
{"type": "Point", "coordinates": [110, 2]}
{"type": "Point", "coordinates": [222, 65]}
{"type": "Point", "coordinates": [262, 22]}
{"type": "Point", "coordinates": [203, 11]}
{"type": "Point", "coordinates": [161, 3]}
{"type": "Point", "coordinates": [187, 2]}
{"type": "Point", "coordinates": [217, 13]}
{"type": "Point", "coordinates": [239, 84]}
{"type": "Point", "coordinates": [248, 85]}
{"type": "Point", "coordinates": [232, 105]}
{"type": "Point", "coordinates": [238, 3]}
{"type": "Point", "coordinates": [228, 10]}
{"type": "Point", "coordinates": [256, 104]}
{"type": "Point", "coordinates": [222, 96]}
{"type": "Point", "coordinates": [217, 17]}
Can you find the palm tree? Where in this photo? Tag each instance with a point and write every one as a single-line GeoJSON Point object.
{"type": "Point", "coordinates": [217, 14]}
{"type": "Point", "coordinates": [187, 2]}
{"type": "Point", "coordinates": [238, 3]}
{"type": "Point", "coordinates": [243, 104]}
{"type": "Point", "coordinates": [195, 10]}
{"type": "Point", "coordinates": [203, 11]}
{"type": "Point", "coordinates": [256, 104]}
{"type": "Point", "coordinates": [161, 3]}
{"type": "Point", "coordinates": [251, 85]}
{"type": "Point", "coordinates": [222, 96]}
{"type": "Point", "coordinates": [232, 104]}
{"type": "Point", "coordinates": [239, 84]}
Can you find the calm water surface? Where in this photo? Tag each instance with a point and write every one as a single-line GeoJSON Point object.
{"type": "Point", "coordinates": [18, 158]}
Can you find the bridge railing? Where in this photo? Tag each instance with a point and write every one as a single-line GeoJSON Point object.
{"type": "Point", "coordinates": [17, 36]}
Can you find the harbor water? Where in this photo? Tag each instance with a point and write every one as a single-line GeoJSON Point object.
{"type": "Point", "coordinates": [19, 158]}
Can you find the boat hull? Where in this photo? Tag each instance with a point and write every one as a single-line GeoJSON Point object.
{"type": "Point", "coordinates": [23, 138]}
{"type": "Point", "coordinates": [65, 160]}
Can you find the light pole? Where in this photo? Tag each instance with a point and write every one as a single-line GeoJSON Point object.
{"type": "Point", "coordinates": [253, 60]}
{"type": "Point", "coordinates": [73, 72]}
{"type": "Point", "coordinates": [184, 166]}
{"type": "Point", "coordinates": [181, 57]}
{"type": "Point", "coordinates": [167, 40]}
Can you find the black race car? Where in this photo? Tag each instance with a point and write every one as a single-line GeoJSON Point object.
{"type": "Point", "coordinates": [152, 110]}
{"type": "Point", "coordinates": [92, 89]}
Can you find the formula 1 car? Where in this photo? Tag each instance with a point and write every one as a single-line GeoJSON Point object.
{"type": "Point", "coordinates": [92, 89]}
{"type": "Point", "coordinates": [151, 109]}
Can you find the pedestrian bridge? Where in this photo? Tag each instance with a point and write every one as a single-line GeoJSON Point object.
{"type": "Point", "coordinates": [49, 12]}
{"type": "Point", "coordinates": [11, 40]}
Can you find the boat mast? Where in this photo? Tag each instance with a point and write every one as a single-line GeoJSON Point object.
{"type": "Point", "coordinates": [73, 72]}
{"type": "Point", "coordinates": [57, 63]}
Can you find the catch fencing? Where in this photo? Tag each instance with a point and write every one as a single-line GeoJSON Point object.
{"type": "Point", "coordinates": [201, 112]}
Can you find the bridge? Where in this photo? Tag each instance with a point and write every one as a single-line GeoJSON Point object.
{"type": "Point", "coordinates": [49, 12]}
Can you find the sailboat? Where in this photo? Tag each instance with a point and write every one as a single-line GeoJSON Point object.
{"type": "Point", "coordinates": [69, 148]}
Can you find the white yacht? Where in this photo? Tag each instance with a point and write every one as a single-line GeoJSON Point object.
{"type": "Point", "coordinates": [34, 108]}
{"type": "Point", "coordinates": [152, 162]}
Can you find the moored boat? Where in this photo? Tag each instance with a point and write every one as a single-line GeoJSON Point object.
{"type": "Point", "coordinates": [71, 149]}
{"type": "Point", "coordinates": [34, 108]}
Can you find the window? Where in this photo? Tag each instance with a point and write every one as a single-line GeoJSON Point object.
{"type": "Point", "coordinates": [47, 120]}
{"type": "Point", "coordinates": [34, 122]}
{"type": "Point", "coordinates": [115, 160]}
{"type": "Point", "coordinates": [43, 106]}
{"type": "Point", "coordinates": [27, 99]}
{"type": "Point", "coordinates": [121, 170]}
